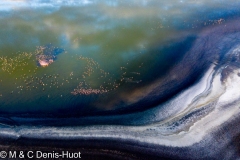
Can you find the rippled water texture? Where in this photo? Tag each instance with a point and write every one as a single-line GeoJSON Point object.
{"type": "Point", "coordinates": [162, 76]}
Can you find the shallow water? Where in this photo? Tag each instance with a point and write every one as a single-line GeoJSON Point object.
{"type": "Point", "coordinates": [126, 79]}
{"type": "Point", "coordinates": [109, 50]}
{"type": "Point", "coordinates": [117, 57]}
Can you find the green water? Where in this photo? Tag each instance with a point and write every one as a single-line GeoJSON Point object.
{"type": "Point", "coordinates": [107, 51]}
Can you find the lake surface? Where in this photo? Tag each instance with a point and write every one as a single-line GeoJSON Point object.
{"type": "Point", "coordinates": [129, 79]}
{"type": "Point", "coordinates": [110, 53]}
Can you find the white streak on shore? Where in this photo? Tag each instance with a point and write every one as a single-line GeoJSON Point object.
{"type": "Point", "coordinates": [150, 133]}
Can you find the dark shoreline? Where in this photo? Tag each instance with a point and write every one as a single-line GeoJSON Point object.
{"type": "Point", "coordinates": [198, 53]}
{"type": "Point", "coordinates": [214, 146]}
